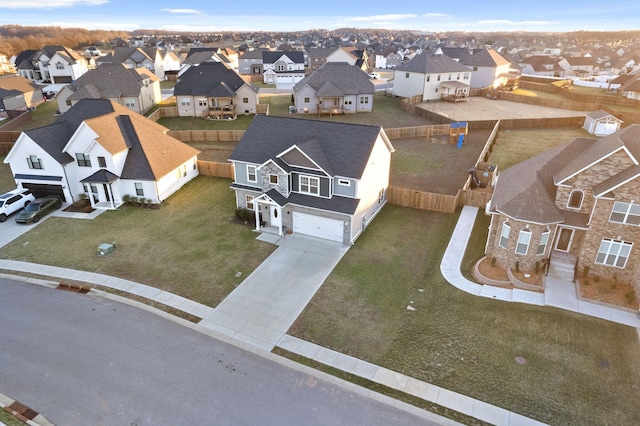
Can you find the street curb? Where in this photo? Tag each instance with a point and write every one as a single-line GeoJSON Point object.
{"type": "Point", "coordinates": [38, 420]}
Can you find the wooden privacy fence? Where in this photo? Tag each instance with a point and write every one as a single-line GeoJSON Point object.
{"type": "Point", "coordinates": [422, 200]}
{"type": "Point", "coordinates": [207, 135]}
{"type": "Point", "coordinates": [420, 131]}
{"type": "Point", "coordinates": [211, 168]}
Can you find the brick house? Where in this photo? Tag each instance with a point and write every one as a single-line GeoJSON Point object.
{"type": "Point", "coordinates": [577, 203]}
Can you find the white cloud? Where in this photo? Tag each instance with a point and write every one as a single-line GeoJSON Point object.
{"type": "Point", "coordinates": [50, 4]}
{"type": "Point", "coordinates": [385, 18]}
{"type": "Point", "coordinates": [437, 15]}
{"type": "Point", "coordinates": [513, 23]}
{"type": "Point", "coordinates": [97, 25]}
{"type": "Point", "coordinates": [183, 11]}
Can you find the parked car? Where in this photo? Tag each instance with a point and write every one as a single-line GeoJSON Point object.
{"type": "Point", "coordinates": [13, 201]}
{"type": "Point", "coordinates": [38, 208]}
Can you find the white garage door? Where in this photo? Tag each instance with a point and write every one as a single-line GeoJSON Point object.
{"type": "Point", "coordinates": [322, 227]}
{"type": "Point", "coordinates": [605, 128]}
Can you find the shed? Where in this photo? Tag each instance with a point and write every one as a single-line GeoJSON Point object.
{"type": "Point", "coordinates": [601, 123]}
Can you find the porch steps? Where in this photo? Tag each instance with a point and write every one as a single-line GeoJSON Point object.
{"type": "Point", "coordinates": [562, 266]}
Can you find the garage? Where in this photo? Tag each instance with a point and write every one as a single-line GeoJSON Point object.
{"type": "Point", "coordinates": [321, 227]}
{"type": "Point", "coordinates": [41, 190]}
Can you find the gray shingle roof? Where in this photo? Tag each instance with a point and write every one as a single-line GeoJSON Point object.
{"type": "Point", "coordinates": [210, 79]}
{"type": "Point", "coordinates": [346, 147]}
{"type": "Point", "coordinates": [270, 57]}
{"type": "Point", "coordinates": [430, 63]}
{"type": "Point", "coordinates": [484, 58]}
{"type": "Point", "coordinates": [109, 80]}
{"type": "Point", "coordinates": [337, 79]}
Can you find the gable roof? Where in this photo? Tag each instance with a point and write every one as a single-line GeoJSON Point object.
{"type": "Point", "coordinates": [337, 79]}
{"type": "Point", "coordinates": [151, 152]}
{"type": "Point", "coordinates": [485, 58]}
{"type": "Point", "coordinates": [340, 149]}
{"type": "Point", "coordinates": [432, 63]}
{"type": "Point", "coordinates": [527, 191]}
{"type": "Point", "coordinates": [18, 83]}
{"type": "Point", "coordinates": [271, 57]}
{"type": "Point", "coordinates": [213, 79]}
{"type": "Point", "coordinates": [109, 80]}
{"type": "Point", "coordinates": [600, 114]}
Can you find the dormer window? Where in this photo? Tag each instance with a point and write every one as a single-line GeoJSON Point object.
{"type": "Point", "coordinates": [575, 199]}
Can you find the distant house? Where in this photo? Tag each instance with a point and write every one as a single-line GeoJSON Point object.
{"type": "Point", "coordinates": [334, 88]}
{"type": "Point", "coordinates": [135, 88]}
{"type": "Point", "coordinates": [578, 66]}
{"type": "Point", "coordinates": [213, 90]}
{"type": "Point", "coordinates": [318, 56]}
{"type": "Point", "coordinates": [629, 85]}
{"type": "Point", "coordinates": [388, 58]}
{"type": "Point", "coordinates": [434, 76]}
{"type": "Point", "coordinates": [351, 55]}
{"type": "Point", "coordinates": [30, 93]}
{"type": "Point", "coordinates": [313, 177]}
{"type": "Point", "coordinates": [103, 151]}
{"type": "Point", "coordinates": [6, 66]}
{"type": "Point", "coordinates": [54, 64]}
{"type": "Point", "coordinates": [488, 69]}
{"type": "Point", "coordinates": [575, 205]}
{"type": "Point", "coordinates": [601, 123]}
{"type": "Point", "coordinates": [150, 58]}
{"type": "Point", "coordinates": [250, 63]}
{"type": "Point", "coordinates": [542, 66]}
{"type": "Point", "coordinates": [284, 69]}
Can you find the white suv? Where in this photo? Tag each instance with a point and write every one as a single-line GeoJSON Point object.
{"type": "Point", "coordinates": [13, 201]}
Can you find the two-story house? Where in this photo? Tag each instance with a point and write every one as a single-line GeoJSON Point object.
{"type": "Point", "coordinates": [150, 58]}
{"type": "Point", "coordinates": [138, 89]}
{"type": "Point", "coordinates": [284, 69]}
{"type": "Point", "coordinates": [579, 66]}
{"type": "Point", "coordinates": [25, 93]}
{"type": "Point", "coordinates": [54, 64]}
{"type": "Point", "coordinates": [250, 64]}
{"type": "Point", "coordinates": [352, 55]}
{"type": "Point", "coordinates": [542, 66]}
{"type": "Point", "coordinates": [213, 90]}
{"type": "Point", "coordinates": [319, 178]}
{"type": "Point", "coordinates": [488, 69]}
{"type": "Point", "coordinates": [103, 151]}
{"type": "Point", "coordinates": [577, 203]}
{"type": "Point", "coordinates": [434, 76]}
{"type": "Point", "coordinates": [334, 88]}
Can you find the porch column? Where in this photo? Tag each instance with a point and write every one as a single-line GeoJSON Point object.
{"type": "Point", "coordinates": [257, 215]}
{"type": "Point", "coordinates": [279, 210]}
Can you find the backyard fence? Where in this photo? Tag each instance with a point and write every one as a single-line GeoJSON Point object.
{"type": "Point", "coordinates": [422, 200]}
{"type": "Point", "coordinates": [207, 135]}
{"type": "Point", "coordinates": [212, 168]}
{"type": "Point", "coordinates": [420, 131]}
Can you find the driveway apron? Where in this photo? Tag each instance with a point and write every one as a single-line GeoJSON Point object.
{"type": "Point", "coordinates": [263, 307]}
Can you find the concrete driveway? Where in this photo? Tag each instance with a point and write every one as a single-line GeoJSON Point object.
{"type": "Point", "coordinates": [263, 307]}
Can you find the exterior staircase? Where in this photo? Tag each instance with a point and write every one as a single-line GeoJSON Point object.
{"type": "Point", "coordinates": [562, 266]}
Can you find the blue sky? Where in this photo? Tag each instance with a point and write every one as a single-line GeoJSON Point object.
{"type": "Point", "coordinates": [253, 15]}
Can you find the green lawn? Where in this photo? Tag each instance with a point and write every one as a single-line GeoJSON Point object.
{"type": "Point", "coordinates": [6, 177]}
{"type": "Point", "coordinates": [466, 343]}
{"type": "Point", "coordinates": [386, 113]}
{"type": "Point", "coordinates": [515, 146]}
{"type": "Point", "coordinates": [190, 246]}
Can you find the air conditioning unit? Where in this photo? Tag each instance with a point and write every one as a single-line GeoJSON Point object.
{"type": "Point", "coordinates": [106, 249]}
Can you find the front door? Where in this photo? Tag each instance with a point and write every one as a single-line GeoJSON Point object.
{"type": "Point", "coordinates": [276, 220]}
{"type": "Point", "coordinates": [563, 243]}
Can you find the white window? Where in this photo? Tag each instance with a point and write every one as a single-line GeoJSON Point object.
{"type": "Point", "coordinates": [523, 241]}
{"type": "Point", "coordinates": [34, 162]}
{"type": "Point", "coordinates": [628, 213]}
{"type": "Point", "coordinates": [130, 103]}
{"type": "Point", "coordinates": [344, 182]}
{"type": "Point", "coordinates": [575, 199]}
{"type": "Point", "coordinates": [202, 102]}
{"type": "Point", "coordinates": [364, 99]}
{"type": "Point", "coordinates": [252, 174]}
{"type": "Point", "coordinates": [59, 65]}
{"type": "Point", "coordinates": [309, 185]}
{"type": "Point", "coordinates": [185, 102]}
{"type": "Point", "coordinates": [542, 244]}
{"type": "Point", "coordinates": [273, 179]}
{"type": "Point", "coordinates": [139, 189]}
{"type": "Point", "coordinates": [504, 235]}
{"type": "Point", "coordinates": [249, 201]}
{"type": "Point", "coordinates": [613, 252]}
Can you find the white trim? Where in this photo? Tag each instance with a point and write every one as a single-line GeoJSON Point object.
{"type": "Point", "coordinates": [344, 182]}
{"type": "Point", "coordinates": [599, 160]}
{"type": "Point", "coordinates": [300, 177]}
{"type": "Point", "coordinates": [569, 206]}
{"type": "Point", "coordinates": [525, 233]}
{"type": "Point", "coordinates": [294, 146]}
{"type": "Point", "coordinates": [255, 173]}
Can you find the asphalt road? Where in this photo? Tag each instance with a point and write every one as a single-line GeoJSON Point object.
{"type": "Point", "coordinates": [80, 359]}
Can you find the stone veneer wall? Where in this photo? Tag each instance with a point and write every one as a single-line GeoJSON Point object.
{"type": "Point", "coordinates": [272, 169]}
{"type": "Point", "coordinates": [507, 257]}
